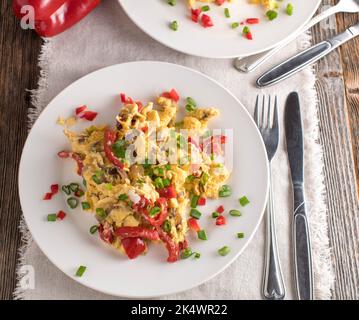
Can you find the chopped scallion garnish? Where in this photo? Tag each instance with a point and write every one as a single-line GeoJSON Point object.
{"type": "Point", "coordinates": [271, 14]}
{"type": "Point", "coordinates": [80, 271]}
{"type": "Point", "coordinates": [225, 191]}
{"type": "Point", "coordinates": [101, 213]}
{"type": "Point", "coordinates": [240, 235]}
{"type": "Point", "coordinates": [235, 25]}
{"type": "Point", "coordinates": [66, 189]}
{"type": "Point", "coordinates": [195, 214]}
{"type": "Point", "coordinates": [224, 251]}
{"type": "Point", "coordinates": [72, 202]}
{"type": "Point", "coordinates": [174, 25]}
{"type": "Point", "coordinates": [202, 234]}
{"type": "Point", "coordinates": [235, 213]}
{"type": "Point", "coordinates": [85, 205]}
{"type": "Point", "coordinates": [172, 2]}
{"type": "Point", "coordinates": [243, 201]}
{"type": "Point", "coordinates": [123, 197]}
{"type": "Point", "coordinates": [154, 211]}
{"type": "Point", "coordinates": [289, 9]}
{"type": "Point", "coordinates": [215, 214]}
{"type": "Point", "coordinates": [74, 186]}
{"type": "Point", "coordinates": [205, 8]}
{"type": "Point", "coordinates": [93, 229]}
{"type": "Point", "coordinates": [52, 217]}
{"type": "Point", "coordinates": [226, 13]}
{"type": "Point", "coordinates": [194, 201]}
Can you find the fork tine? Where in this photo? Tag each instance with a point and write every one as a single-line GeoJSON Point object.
{"type": "Point", "coordinates": [268, 112]}
{"type": "Point", "coordinates": [263, 109]}
{"type": "Point", "coordinates": [255, 116]}
{"type": "Point", "coordinates": [275, 113]}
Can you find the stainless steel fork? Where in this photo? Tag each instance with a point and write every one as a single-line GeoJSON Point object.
{"type": "Point", "coordinates": [273, 283]}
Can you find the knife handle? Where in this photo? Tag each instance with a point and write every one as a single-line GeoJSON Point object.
{"type": "Point", "coordinates": [294, 64]}
{"type": "Point", "coordinates": [302, 251]}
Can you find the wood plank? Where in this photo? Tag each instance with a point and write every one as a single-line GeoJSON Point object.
{"type": "Point", "coordinates": [336, 137]}
{"type": "Point", "coordinates": [18, 72]}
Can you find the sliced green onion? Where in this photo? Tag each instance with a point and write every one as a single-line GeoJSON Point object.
{"type": "Point", "coordinates": [205, 8]}
{"type": "Point", "coordinates": [66, 189]}
{"type": "Point", "coordinates": [234, 25]}
{"type": "Point", "coordinates": [204, 178]}
{"type": "Point", "coordinates": [123, 197]}
{"type": "Point", "coordinates": [235, 213]}
{"type": "Point", "coordinates": [154, 211]}
{"type": "Point", "coordinates": [289, 9]}
{"type": "Point", "coordinates": [190, 178]}
{"type": "Point", "coordinates": [194, 201]}
{"type": "Point", "coordinates": [166, 226]}
{"type": "Point", "coordinates": [246, 30]}
{"type": "Point", "coordinates": [240, 235]}
{"type": "Point", "coordinates": [84, 183]}
{"type": "Point", "coordinates": [174, 25]}
{"type": "Point", "coordinates": [271, 14]}
{"type": "Point", "coordinates": [72, 202]}
{"type": "Point", "coordinates": [109, 186]}
{"type": "Point", "coordinates": [74, 186]}
{"type": "Point", "coordinates": [191, 101]}
{"type": "Point", "coordinates": [93, 229]}
{"type": "Point", "coordinates": [186, 253]}
{"type": "Point", "coordinates": [80, 271]}
{"type": "Point", "coordinates": [197, 255]}
{"type": "Point", "coordinates": [96, 179]}
{"type": "Point", "coordinates": [101, 213]}
{"type": "Point", "coordinates": [168, 167]}
{"type": "Point", "coordinates": [202, 234]}
{"type": "Point", "coordinates": [215, 214]}
{"type": "Point", "coordinates": [158, 183]}
{"type": "Point", "coordinates": [119, 149]}
{"type": "Point", "coordinates": [226, 13]}
{"type": "Point", "coordinates": [195, 214]}
{"type": "Point", "coordinates": [52, 217]}
{"type": "Point", "coordinates": [158, 171]}
{"type": "Point", "coordinates": [243, 201]}
{"type": "Point", "coordinates": [224, 251]}
{"type": "Point", "coordinates": [172, 2]}
{"type": "Point", "coordinates": [190, 107]}
{"type": "Point", "coordinates": [85, 205]}
{"type": "Point", "coordinates": [225, 191]}
{"type": "Point", "coordinates": [130, 203]}
{"type": "Point", "coordinates": [166, 182]}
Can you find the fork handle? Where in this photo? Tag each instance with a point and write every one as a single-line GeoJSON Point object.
{"type": "Point", "coordinates": [273, 283]}
{"type": "Point", "coordinates": [249, 64]}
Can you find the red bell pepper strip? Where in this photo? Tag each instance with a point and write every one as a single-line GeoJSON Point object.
{"type": "Point", "coordinates": [133, 247]}
{"type": "Point", "coordinates": [167, 192]}
{"type": "Point", "coordinates": [125, 100]}
{"type": "Point", "coordinates": [106, 234]}
{"type": "Point", "coordinates": [110, 139]}
{"type": "Point", "coordinates": [55, 18]}
{"type": "Point", "coordinates": [137, 232]}
{"type": "Point", "coordinates": [172, 247]}
{"type": "Point", "coordinates": [80, 109]}
{"type": "Point", "coordinates": [89, 115]}
{"type": "Point", "coordinates": [76, 157]}
{"type": "Point", "coordinates": [193, 224]}
{"type": "Point", "coordinates": [158, 219]}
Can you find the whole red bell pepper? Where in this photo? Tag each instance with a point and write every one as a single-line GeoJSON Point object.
{"type": "Point", "coordinates": [55, 16]}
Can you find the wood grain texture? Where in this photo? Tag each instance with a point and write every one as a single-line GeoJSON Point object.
{"type": "Point", "coordinates": [338, 93]}
{"type": "Point", "coordinates": [18, 72]}
{"type": "Point", "coordinates": [338, 114]}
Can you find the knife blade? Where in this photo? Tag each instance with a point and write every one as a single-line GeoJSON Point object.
{"type": "Point", "coordinates": [305, 58]}
{"type": "Point", "coordinates": [301, 240]}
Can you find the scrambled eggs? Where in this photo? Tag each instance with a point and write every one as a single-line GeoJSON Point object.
{"type": "Point", "coordinates": [140, 202]}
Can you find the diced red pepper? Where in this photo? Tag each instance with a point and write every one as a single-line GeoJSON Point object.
{"type": "Point", "coordinates": [173, 95]}
{"type": "Point", "coordinates": [183, 245]}
{"type": "Point", "coordinates": [223, 139]}
{"type": "Point", "coordinates": [168, 192]}
{"type": "Point", "coordinates": [220, 221]}
{"type": "Point", "coordinates": [206, 21]}
{"type": "Point", "coordinates": [220, 2]}
{"type": "Point", "coordinates": [139, 105]}
{"type": "Point", "coordinates": [80, 109]}
{"type": "Point", "coordinates": [47, 196]}
{"type": "Point", "coordinates": [63, 154]}
{"type": "Point", "coordinates": [125, 100]}
{"type": "Point", "coordinates": [89, 115]}
{"type": "Point", "coordinates": [193, 224]}
{"type": "Point", "coordinates": [133, 247]}
{"type": "Point", "coordinates": [172, 247]}
{"type": "Point", "coordinates": [61, 215]}
{"type": "Point", "coordinates": [137, 232]}
{"type": "Point", "coordinates": [144, 129]}
{"type": "Point", "coordinates": [195, 13]}
{"type": "Point", "coordinates": [249, 36]}
{"type": "Point", "coordinates": [252, 20]}
{"type": "Point", "coordinates": [54, 188]}
{"type": "Point", "coordinates": [220, 209]}
{"type": "Point", "coordinates": [110, 138]}
{"type": "Point", "coordinates": [201, 201]}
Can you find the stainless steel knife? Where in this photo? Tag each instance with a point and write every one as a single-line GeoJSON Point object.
{"type": "Point", "coordinates": [305, 58]}
{"type": "Point", "coordinates": [301, 239]}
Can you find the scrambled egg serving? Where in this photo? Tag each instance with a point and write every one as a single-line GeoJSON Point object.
{"type": "Point", "coordinates": [267, 4]}
{"type": "Point", "coordinates": [137, 202]}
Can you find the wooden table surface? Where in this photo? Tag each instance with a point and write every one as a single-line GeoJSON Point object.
{"type": "Point", "coordinates": [338, 92]}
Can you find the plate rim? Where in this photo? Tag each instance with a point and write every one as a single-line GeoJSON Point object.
{"type": "Point", "coordinates": [209, 56]}
{"type": "Point", "coordinates": [169, 292]}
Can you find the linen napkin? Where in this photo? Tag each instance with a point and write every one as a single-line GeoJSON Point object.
{"type": "Point", "coordinates": [107, 37]}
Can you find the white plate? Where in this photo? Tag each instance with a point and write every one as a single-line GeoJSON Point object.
{"type": "Point", "coordinates": [220, 41]}
{"type": "Point", "coordinates": [68, 243]}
